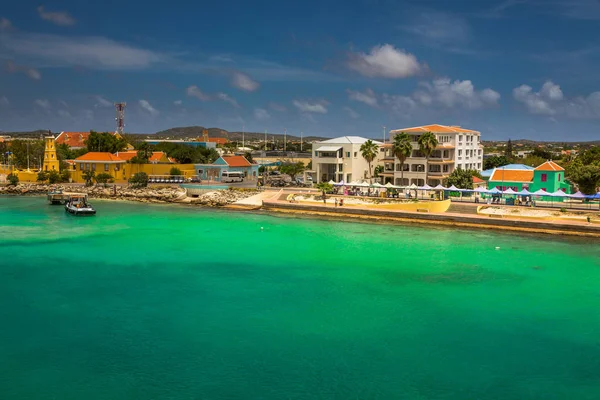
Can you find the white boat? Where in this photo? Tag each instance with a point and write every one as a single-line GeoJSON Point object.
{"type": "Point", "coordinates": [78, 205]}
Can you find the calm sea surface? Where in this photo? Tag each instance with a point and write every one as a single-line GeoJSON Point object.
{"type": "Point", "coordinates": [162, 302]}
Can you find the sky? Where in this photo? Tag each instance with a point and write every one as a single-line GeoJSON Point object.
{"type": "Point", "coordinates": [507, 68]}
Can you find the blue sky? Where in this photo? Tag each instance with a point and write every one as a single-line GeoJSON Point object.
{"type": "Point", "coordinates": [508, 68]}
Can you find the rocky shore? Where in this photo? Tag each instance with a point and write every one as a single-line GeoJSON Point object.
{"type": "Point", "coordinates": [159, 194]}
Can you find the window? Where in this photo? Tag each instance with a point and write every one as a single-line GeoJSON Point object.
{"type": "Point", "coordinates": [347, 154]}
{"type": "Point", "coordinates": [445, 168]}
{"type": "Point", "coordinates": [340, 167]}
{"type": "Point", "coordinates": [106, 167]}
{"type": "Point", "coordinates": [544, 189]}
{"type": "Point", "coordinates": [460, 138]}
{"type": "Point", "coordinates": [93, 167]}
{"type": "Point", "coordinates": [355, 153]}
{"type": "Point", "coordinates": [544, 177]}
{"type": "Point", "coordinates": [460, 152]}
{"type": "Point", "coordinates": [117, 167]}
{"type": "Point", "coordinates": [559, 177]}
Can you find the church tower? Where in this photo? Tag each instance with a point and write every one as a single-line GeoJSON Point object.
{"type": "Point", "coordinates": [50, 158]}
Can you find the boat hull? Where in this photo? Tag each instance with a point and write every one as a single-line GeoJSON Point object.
{"type": "Point", "coordinates": [80, 212]}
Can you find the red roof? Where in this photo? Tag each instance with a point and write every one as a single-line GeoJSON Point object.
{"type": "Point", "coordinates": [98, 156]}
{"type": "Point", "coordinates": [218, 140]}
{"type": "Point", "coordinates": [477, 180]}
{"type": "Point", "coordinates": [72, 139]}
{"type": "Point", "coordinates": [435, 128]}
{"type": "Point", "coordinates": [549, 166]}
{"type": "Point", "coordinates": [236, 161]}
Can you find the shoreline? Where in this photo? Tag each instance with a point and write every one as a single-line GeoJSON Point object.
{"type": "Point", "coordinates": [176, 196]}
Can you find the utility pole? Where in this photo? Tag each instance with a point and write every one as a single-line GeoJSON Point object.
{"type": "Point", "coordinates": [384, 135]}
{"type": "Point", "coordinates": [27, 156]}
{"type": "Point", "coordinates": [300, 141]}
{"type": "Point", "coordinates": [284, 139]}
{"type": "Point", "coordinates": [243, 132]}
{"type": "Point", "coordinates": [265, 142]}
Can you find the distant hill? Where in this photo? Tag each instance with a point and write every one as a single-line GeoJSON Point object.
{"type": "Point", "coordinates": [196, 131]}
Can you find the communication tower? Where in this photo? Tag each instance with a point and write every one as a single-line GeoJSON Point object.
{"type": "Point", "coordinates": [120, 108]}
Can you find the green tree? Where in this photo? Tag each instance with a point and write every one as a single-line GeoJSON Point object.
{"type": "Point", "coordinates": [369, 150]}
{"type": "Point", "coordinates": [309, 166]}
{"type": "Point", "coordinates": [65, 175]}
{"type": "Point", "coordinates": [495, 161]}
{"type": "Point", "coordinates": [144, 152]}
{"type": "Point", "coordinates": [508, 150]}
{"type": "Point", "coordinates": [139, 179]}
{"type": "Point", "coordinates": [105, 142]}
{"type": "Point", "coordinates": [20, 149]}
{"type": "Point", "coordinates": [292, 169]}
{"type": "Point", "coordinates": [587, 177]}
{"type": "Point", "coordinates": [248, 156]}
{"type": "Point", "coordinates": [402, 149]}
{"type": "Point", "coordinates": [175, 171]}
{"type": "Point", "coordinates": [378, 170]}
{"type": "Point", "coordinates": [541, 153]}
{"type": "Point", "coordinates": [53, 177]}
{"type": "Point", "coordinates": [13, 179]}
{"type": "Point", "coordinates": [324, 187]}
{"type": "Point", "coordinates": [89, 176]}
{"type": "Point", "coordinates": [103, 178]}
{"type": "Point", "coordinates": [42, 176]}
{"type": "Point", "coordinates": [462, 179]}
{"type": "Point", "coordinates": [534, 161]}
{"type": "Point", "coordinates": [427, 143]}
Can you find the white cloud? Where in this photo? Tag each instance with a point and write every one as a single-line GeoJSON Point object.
{"type": "Point", "coordinates": [32, 73]}
{"type": "Point", "coordinates": [5, 24]}
{"type": "Point", "coordinates": [451, 94]}
{"type": "Point", "coordinates": [148, 107]}
{"type": "Point", "coordinates": [90, 52]}
{"type": "Point", "coordinates": [42, 103]}
{"type": "Point", "coordinates": [385, 61]}
{"type": "Point", "coordinates": [61, 18]}
{"type": "Point", "coordinates": [403, 106]}
{"type": "Point", "coordinates": [244, 82]}
{"type": "Point", "coordinates": [306, 107]}
{"type": "Point", "coordinates": [102, 102]}
{"type": "Point", "coordinates": [261, 114]}
{"type": "Point", "coordinates": [438, 26]}
{"type": "Point", "coordinates": [194, 91]}
{"type": "Point", "coordinates": [351, 112]}
{"type": "Point", "coordinates": [4, 101]}
{"type": "Point", "coordinates": [178, 102]}
{"type": "Point", "coordinates": [536, 103]}
{"type": "Point", "coordinates": [368, 97]}
{"type": "Point", "coordinates": [64, 114]}
{"type": "Point", "coordinates": [277, 107]}
{"type": "Point", "coordinates": [225, 97]}
{"type": "Point", "coordinates": [550, 100]}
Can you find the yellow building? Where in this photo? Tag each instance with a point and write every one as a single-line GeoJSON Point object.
{"type": "Point", "coordinates": [51, 162]}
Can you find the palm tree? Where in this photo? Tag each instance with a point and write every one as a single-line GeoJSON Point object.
{"type": "Point", "coordinates": [402, 149]}
{"type": "Point", "coordinates": [427, 143]}
{"type": "Point", "coordinates": [369, 151]}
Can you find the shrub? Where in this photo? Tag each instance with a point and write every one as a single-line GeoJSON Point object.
{"type": "Point", "coordinates": [53, 177]}
{"type": "Point", "coordinates": [13, 179]}
{"type": "Point", "coordinates": [42, 176]}
{"type": "Point", "coordinates": [139, 179]}
{"type": "Point", "coordinates": [103, 178]}
{"type": "Point", "coordinates": [563, 210]}
{"type": "Point", "coordinates": [175, 171]}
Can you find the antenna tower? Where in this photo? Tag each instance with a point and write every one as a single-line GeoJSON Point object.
{"type": "Point", "coordinates": [120, 108]}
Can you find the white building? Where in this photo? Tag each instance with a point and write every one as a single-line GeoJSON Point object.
{"type": "Point", "coordinates": [457, 148]}
{"type": "Point", "coordinates": [340, 159]}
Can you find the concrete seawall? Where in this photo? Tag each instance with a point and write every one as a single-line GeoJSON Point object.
{"type": "Point", "coordinates": [470, 221]}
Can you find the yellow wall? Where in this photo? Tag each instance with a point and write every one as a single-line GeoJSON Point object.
{"type": "Point", "coordinates": [24, 176]}
{"type": "Point", "coordinates": [126, 171]}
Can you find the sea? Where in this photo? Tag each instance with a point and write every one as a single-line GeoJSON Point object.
{"type": "Point", "coordinates": [183, 303]}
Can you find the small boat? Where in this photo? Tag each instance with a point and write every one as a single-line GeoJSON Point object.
{"type": "Point", "coordinates": [57, 197]}
{"type": "Point", "coordinates": [78, 205]}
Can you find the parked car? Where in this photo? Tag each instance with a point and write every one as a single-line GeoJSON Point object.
{"type": "Point", "coordinates": [194, 179]}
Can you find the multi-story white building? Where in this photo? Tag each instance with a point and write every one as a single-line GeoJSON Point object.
{"type": "Point", "coordinates": [340, 159]}
{"type": "Point", "coordinates": [457, 148]}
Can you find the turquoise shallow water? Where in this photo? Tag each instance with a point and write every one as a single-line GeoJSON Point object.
{"type": "Point", "coordinates": [162, 302]}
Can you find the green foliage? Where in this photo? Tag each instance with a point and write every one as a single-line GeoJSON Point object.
{"type": "Point", "coordinates": [369, 150]}
{"type": "Point", "coordinates": [42, 176]}
{"type": "Point", "coordinates": [309, 166]}
{"type": "Point", "coordinates": [427, 143]}
{"type": "Point", "coordinates": [53, 177]}
{"type": "Point", "coordinates": [144, 152]}
{"type": "Point", "coordinates": [64, 152]}
{"type": "Point", "coordinates": [324, 187]}
{"type": "Point", "coordinates": [64, 175]}
{"type": "Point", "coordinates": [105, 142]}
{"type": "Point", "coordinates": [19, 149]}
{"type": "Point", "coordinates": [590, 156]}
{"type": "Point", "coordinates": [187, 154]}
{"type": "Point", "coordinates": [378, 170]}
{"type": "Point", "coordinates": [508, 150]}
{"type": "Point", "coordinates": [292, 169]}
{"type": "Point", "coordinates": [248, 156]}
{"type": "Point", "coordinates": [89, 176]}
{"type": "Point", "coordinates": [541, 153]}
{"type": "Point", "coordinates": [261, 169]}
{"type": "Point", "coordinates": [13, 179]}
{"type": "Point", "coordinates": [586, 176]}
{"type": "Point", "coordinates": [175, 171]}
{"type": "Point", "coordinates": [495, 161]}
{"type": "Point", "coordinates": [139, 179]}
{"type": "Point", "coordinates": [103, 178]}
{"type": "Point", "coordinates": [462, 179]}
{"type": "Point", "coordinates": [402, 149]}
{"type": "Point", "coordinates": [534, 161]}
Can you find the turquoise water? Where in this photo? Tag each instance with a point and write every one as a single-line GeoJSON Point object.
{"type": "Point", "coordinates": [162, 302]}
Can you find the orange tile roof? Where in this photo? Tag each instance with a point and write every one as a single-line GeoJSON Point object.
{"type": "Point", "coordinates": [549, 166]}
{"type": "Point", "coordinates": [236, 161]}
{"type": "Point", "coordinates": [435, 128]}
{"type": "Point", "coordinates": [156, 156]}
{"type": "Point", "coordinates": [100, 157]}
{"type": "Point", "coordinates": [512, 175]}
{"type": "Point", "coordinates": [477, 180]}
{"type": "Point", "coordinates": [126, 155]}
{"type": "Point", "coordinates": [72, 139]}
